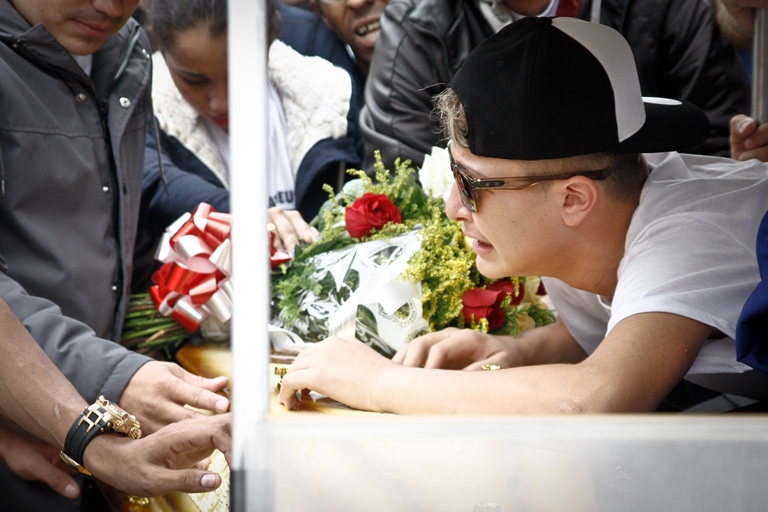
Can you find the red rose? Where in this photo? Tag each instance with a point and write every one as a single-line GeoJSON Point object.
{"type": "Point", "coordinates": [480, 303]}
{"type": "Point", "coordinates": [508, 287]}
{"type": "Point", "coordinates": [372, 211]}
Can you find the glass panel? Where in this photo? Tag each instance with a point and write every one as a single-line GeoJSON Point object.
{"type": "Point", "coordinates": [360, 461]}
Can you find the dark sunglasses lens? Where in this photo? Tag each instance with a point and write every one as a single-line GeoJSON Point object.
{"type": "Point", "coordinates": [465, 187]}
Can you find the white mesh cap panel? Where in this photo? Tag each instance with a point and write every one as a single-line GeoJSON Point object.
{"type": "Point", "coordinates": [616, 57]}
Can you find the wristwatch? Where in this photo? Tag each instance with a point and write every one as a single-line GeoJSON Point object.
{"type": "Point", "coordinates": [98, 418]}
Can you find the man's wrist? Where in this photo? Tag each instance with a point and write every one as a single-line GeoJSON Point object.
{"type": "Point", "coordinates": [102, 452]}
{"type": "Point", "coordinates": [99, 418]}
{"type": "Point", "coordinates": [385, 385]}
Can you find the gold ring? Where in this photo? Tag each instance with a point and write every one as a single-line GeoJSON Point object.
{"type": "Point", "coordinates": [491, 367]}
{"type": "Point", "coordinates": [271, 227]}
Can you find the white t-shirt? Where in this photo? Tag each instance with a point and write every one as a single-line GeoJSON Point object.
{"type": "Point", "coordinates": [220, 138]}
{"type": "Point", "coordinates": [85, 62]}
{"type": "Point", "coordinates": [498, 15]}
{"type": "Point", "coordinates": [690, 250]}
{"type": "Point", "coordinates": [281, 180]}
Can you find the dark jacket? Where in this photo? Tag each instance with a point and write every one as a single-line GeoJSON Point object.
{"type": "Point", "coordinates": [71, 148]}
{"type": "Point", "coordinates": [678, 50]}
{"type": "Point", "coordinates": [189, 183]}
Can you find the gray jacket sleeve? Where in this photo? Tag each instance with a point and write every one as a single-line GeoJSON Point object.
{"type": "Point", "coordinates": [94, 365]}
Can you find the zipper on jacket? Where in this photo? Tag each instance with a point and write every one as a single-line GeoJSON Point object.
{"type": "Point", "coordinates": [103, 109]}
{"type": "Point", "coordinates": [123, 63]}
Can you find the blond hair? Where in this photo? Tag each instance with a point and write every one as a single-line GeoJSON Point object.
{"type": "Point", "coordinates": [628, 170]}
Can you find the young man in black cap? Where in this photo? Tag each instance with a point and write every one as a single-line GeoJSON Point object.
{"type": "Point", "coordinates": [648, 265]}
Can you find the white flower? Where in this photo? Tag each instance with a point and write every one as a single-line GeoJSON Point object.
{"type": "Point", "coordinates": [435, 174]}
{"type": "Point", "coordinates": [525, 322]}
{"type": "Point", "coordinates": [531, 287]}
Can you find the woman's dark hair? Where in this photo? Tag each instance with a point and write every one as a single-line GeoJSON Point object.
{"type": "Point", "coordinates": [166, 17]}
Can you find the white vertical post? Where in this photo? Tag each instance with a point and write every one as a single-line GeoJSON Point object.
{"type": "Point", "coordinates": [760, 67]}
{"type": "Point", "coordinates": [247, 39]}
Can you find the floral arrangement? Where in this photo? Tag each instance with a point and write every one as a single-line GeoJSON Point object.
{"type": "Point", "coordinates": [388, 266]}
{"type": "Point", "coordinates": [390, 217]}
{"type": "Point", "coordinates": [192, 289]}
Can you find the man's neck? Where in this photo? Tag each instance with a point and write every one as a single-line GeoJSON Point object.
{"type": "Point", "coordinates": [596, 267]}
{"type": "Point", "coordinates": [527, 7]}
{"type": "Point", "coordinates": [363, 66]}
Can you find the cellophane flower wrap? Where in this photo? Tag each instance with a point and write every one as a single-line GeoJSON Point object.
{"type": "Point", "coordinates": [389, 265]}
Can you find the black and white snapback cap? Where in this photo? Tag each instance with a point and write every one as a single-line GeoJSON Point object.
{"type": "Point", "coordinates": [545, 88]}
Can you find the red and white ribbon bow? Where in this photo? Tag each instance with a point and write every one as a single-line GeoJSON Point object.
{"type": "Point", "coordinates": [194, 281]}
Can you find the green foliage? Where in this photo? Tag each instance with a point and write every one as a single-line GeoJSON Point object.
{"type": "Point", "coordinates": [441, 249]}
{"type": "Point", "coordinates": [444, 265]}
{"type": "Point", "coordinates": [146, 331]}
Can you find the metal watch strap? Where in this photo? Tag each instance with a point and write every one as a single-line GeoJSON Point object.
{"type": "Point", "coordinates": [90, 424]}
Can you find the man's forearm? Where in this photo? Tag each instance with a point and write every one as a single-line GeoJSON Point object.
{"type": "Point", "coordinates": [549, 353]}
{"type": "Point", "coordinates": [549, 344]}
{"type": "Point", "coordinates": [35, 395]}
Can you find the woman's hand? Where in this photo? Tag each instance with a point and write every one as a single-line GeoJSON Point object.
{"type": "Point", "coordinates": [290, 229]}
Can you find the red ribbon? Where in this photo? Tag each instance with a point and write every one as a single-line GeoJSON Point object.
{"type": "Point", "coordinates": [194, 281]}
{"type": "Point", "coordinates": [276, 258]}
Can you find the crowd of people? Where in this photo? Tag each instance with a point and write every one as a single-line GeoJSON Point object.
{"type": "Point", "coordinates": [648, 175]}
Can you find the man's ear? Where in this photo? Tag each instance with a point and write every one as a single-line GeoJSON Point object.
{"type": "Point", "coordinates": [579, 196]}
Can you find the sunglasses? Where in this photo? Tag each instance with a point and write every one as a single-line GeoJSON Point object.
{"type": "Point", "coordinates": [469, 186]}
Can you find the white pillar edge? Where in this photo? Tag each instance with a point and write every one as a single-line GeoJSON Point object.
{"type": "Point", "coordinates": [247, 29]}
